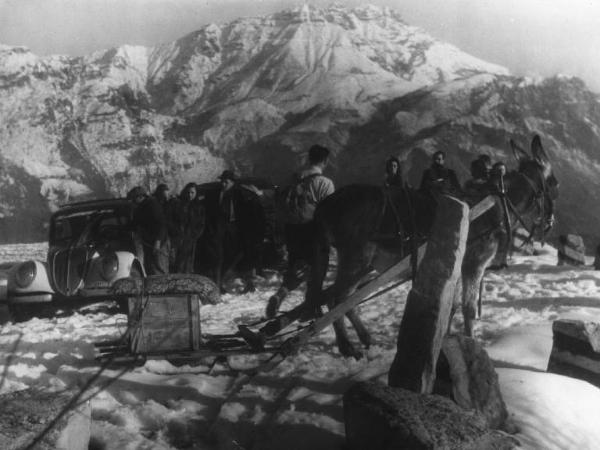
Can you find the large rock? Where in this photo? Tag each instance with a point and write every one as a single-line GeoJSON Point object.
{"type": "Point", "coordinates": [571, 250]}
{"type": "Point", "coordinates": [521, 242]}
{"type": "Point", "coordinates": [25, 414]}
{"type": "Point", "coordinates": [378, 417]}
{"type": "Point", "coordinates": [466, 374]}
{"type": "Point", "coordinates": [429, 304]}
{"type": "Point", "coordinates": [576, 350]}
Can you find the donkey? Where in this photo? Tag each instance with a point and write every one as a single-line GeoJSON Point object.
{"type": "Point", "coordinates": [359, 219]}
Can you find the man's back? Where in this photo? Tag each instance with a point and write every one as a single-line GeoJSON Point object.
{"type": "Point", "coordinates": [318, 185]}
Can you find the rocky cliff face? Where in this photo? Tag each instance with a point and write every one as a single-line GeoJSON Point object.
{"type": "Point", "coordinates": [254, 94]}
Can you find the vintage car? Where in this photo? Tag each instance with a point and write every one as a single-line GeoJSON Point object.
{"type": "Point", "coordinates": [90, 246]}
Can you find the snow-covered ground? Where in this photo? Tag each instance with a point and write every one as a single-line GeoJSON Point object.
{"type": "Point", "coordinates": [298, 405]}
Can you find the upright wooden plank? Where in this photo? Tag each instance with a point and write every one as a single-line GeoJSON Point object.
{"type": "Point", "coordinates": [429, 304]}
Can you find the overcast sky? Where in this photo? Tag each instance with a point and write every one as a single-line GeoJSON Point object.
{"type": "Point", "coordinates": [535, 37]}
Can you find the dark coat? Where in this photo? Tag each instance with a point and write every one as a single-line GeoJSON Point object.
{"type": "Point", "coordinates": [394, 180]}
{"type": "Point", "coordinates": [189, 219]}
{"type": "Point", "coordinates": [149, 221]}
{"type": "Point", "coordinates": [440, 180]}
{"type": "Point", "coordinates": [235, 228]}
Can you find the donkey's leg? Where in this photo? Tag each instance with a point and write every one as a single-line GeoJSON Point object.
{"type": "Point", "coordinates": [477, 257]}
{"type": "Point", "coordinates": [352, 265]}
{"type": "Point", "coordinates": [367, 258]}
{"type": "Point", "coordinates": [317, 272]}
{"type": "Point", "coordinates": [361, 331]}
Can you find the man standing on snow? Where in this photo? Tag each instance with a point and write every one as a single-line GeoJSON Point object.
{"type": "Point", "coordinates": [150, 225]}
{"type": "Point", "coordinates": [310, 186]}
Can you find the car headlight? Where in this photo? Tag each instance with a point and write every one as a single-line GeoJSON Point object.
{"type": "Point", "coordinates": [110, 266]}
{"type": "Point", "coordinates": [25, 274]}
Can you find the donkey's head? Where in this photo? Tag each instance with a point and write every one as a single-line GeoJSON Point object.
{"type": "Point", "coordinates": [541, 183]}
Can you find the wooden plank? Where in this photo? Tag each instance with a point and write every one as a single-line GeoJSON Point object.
{"type": "Point", "coordinates": [481, 207]}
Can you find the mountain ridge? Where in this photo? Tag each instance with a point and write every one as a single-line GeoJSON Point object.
{"type": "Point", "coordinates": [255, 93]}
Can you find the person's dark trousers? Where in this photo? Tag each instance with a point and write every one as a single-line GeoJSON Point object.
{"type": "Point", "coordinates": [299, 240]}
{"type": "Point", "coordinates": [156, 260]}
{"type": "Point", "coordinates": [185, 255]}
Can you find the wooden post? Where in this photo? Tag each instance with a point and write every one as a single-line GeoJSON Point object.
{"type": "Point", "coordinates": [429, 304]}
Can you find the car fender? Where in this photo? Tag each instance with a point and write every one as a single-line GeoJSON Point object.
{"type": "Point", "coordinates": [40, 283]}
{"type": "Point", "coordinates": [95, 279]}
{"type": "Point", "coordinates": [127, 260]}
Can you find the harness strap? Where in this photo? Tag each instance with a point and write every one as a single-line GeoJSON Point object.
{"type": "Point", "coordinates": [507, 222]}
{"type": "Point", "coordinates": [414, 249]}
{"type": "Point", "coordinates": [388, 200]}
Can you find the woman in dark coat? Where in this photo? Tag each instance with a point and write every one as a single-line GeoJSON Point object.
{"type": "Point", "coordinates": [393, 175]}
{"type": "Point", "coordinates": [190, 220]}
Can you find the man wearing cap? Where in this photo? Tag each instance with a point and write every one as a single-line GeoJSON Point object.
{"type": "Point", "coordinates": [150, 225]}
{"type": "Point", "coordinates": [240, 231]}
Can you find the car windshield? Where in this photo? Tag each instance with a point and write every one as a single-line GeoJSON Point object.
{"type": "Point", "coordinates": [89, 225]}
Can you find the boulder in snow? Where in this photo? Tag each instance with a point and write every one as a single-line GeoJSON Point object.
{"type": "Point", "coordinates": [522, 242]}
{"type": "Point", "coordinates": [576, 350]}
{"type": "Point", "coordinates": [380, 417]}
{"type": "Point", "coordinates": [466, 374]}
{"type": "Point", "coordinates": [571, 250]}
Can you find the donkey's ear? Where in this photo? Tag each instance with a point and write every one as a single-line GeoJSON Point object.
{"type": "Point", "coordinates": [537, 150]}
{"type": "Point", "coordinates": [518, 152]}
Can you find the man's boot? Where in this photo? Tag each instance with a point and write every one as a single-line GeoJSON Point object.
{"type": "Point", "coordinates": [275, 302]}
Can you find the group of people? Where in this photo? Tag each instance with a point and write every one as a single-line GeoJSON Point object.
{"type": "Point", "coordinates": [169, 228]}
{"type": "Point", "coordinates": [485, 178]}
{"type": "Point", "coordinates": [439, 179]}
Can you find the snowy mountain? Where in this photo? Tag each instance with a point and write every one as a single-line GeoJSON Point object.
{"type": "Point", "coordinates": [255, 93]}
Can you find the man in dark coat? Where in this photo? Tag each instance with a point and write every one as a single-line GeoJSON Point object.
{"type": "Point", "coordinates": [438, 179]}
{"type": "Point", "coordinates": [239, 230]}
{"type": "Point", "coordinates": [168, 204]}
{"type": "Point", "coordinates": [149, 224]}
